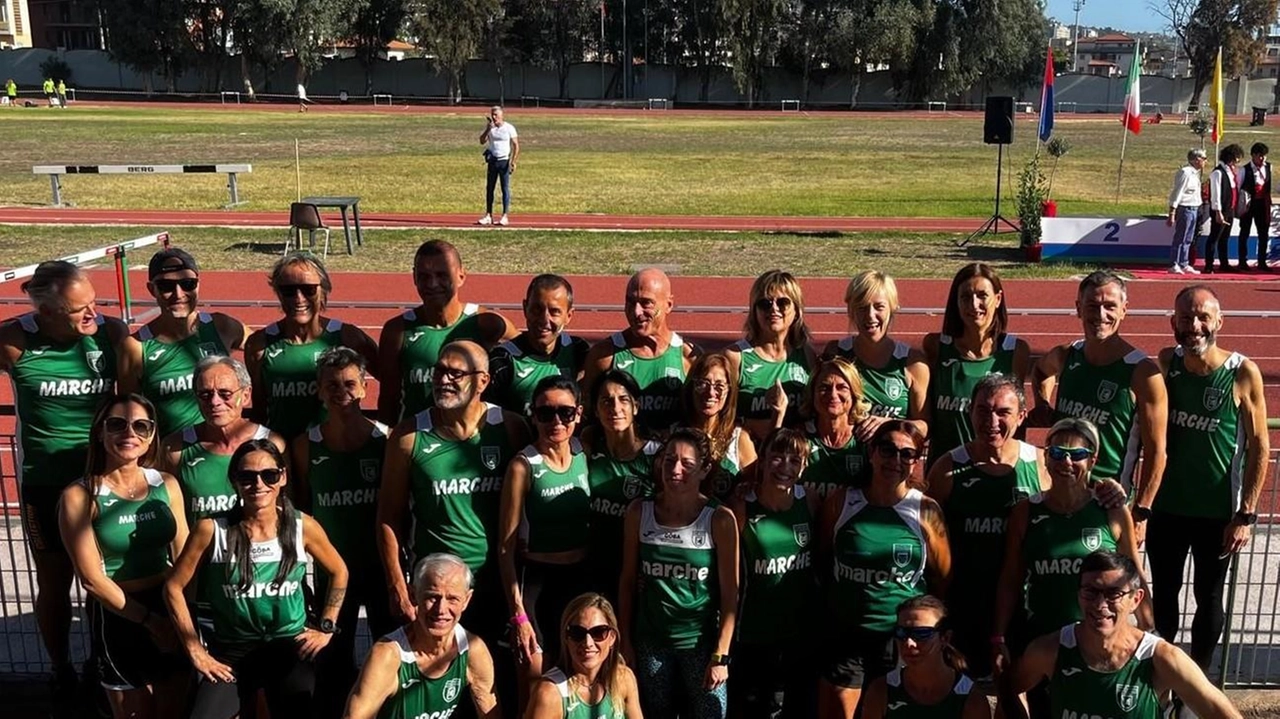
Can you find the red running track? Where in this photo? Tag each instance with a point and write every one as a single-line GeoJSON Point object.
{"type": "Point", "coordinates": [229, 218]}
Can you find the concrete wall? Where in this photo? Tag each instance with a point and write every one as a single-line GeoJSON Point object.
{"type": "Point", "coordinates": [416, 77]}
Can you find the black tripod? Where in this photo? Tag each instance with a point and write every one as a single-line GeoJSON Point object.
{"type": "Point", "coordinates": [992, 225]}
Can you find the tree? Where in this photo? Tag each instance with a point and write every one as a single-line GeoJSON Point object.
{"type": "Point", "coordinates": [873, 33]}
{"type": "Point", "coordinates": [552, 34]}
{"type": "Point", "coordinates": [452, 32]}
{"type": "Point", "coordinates": [1203, 26]}
{"type": "Point", "coordinates": [146, 35]}
{"type": "Point", "coordinates": [696, 35]}
{"type": "Point", "coordinates": [753, 33]}
{"type": "Point", "coordinates": [376, 23]}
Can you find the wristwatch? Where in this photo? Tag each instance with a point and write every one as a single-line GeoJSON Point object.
{"type": "Point", "coordinates": [721, 660]}
{"type": "Point", "coordinates": [327, 626]}
{"type": "Point", "coordinates": [1248, 519]}
{"type": "Point", "coordinates": [1140, 514]}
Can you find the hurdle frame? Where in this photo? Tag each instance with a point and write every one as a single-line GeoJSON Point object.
{"type": "Point", "coordinates": [229, 169]}
{"type": "Point", "coordinates": [794, 104]}
{"type": "Point", "coordinates": [659, 103]}
{"type": "Point", "coordinates": [118, 252]}
{"type": "Point", "coordinates": [223, 95]}
{"type": "Point", "coordinates": [390, 99]}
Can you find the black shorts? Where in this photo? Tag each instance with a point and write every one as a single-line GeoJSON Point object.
{"type": "Point", "coordinates": [127, 657]}
{"type": "Point", "coordinates": [40, 517]}
{"type": "Point", "coordinates": [546, 590]}
{"type": "Point", "coordinates": [854, 657]}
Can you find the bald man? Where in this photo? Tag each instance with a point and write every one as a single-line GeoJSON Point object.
{"type": "Point", "coordinates": [648, 350]}
{"type": "Point", "coordinates": [447, 463]}
{"type": "Point", "coordinates": [411, 341]}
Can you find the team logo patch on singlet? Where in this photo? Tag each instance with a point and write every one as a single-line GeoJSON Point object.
{"type": "Point", "coordinates": [673, 372]}
{"type": "Point", "coordinates": [489, 455]}
{"type": "Point", "coordinates": [894, 388]}
{"type": "Point", "coordinates": [369, 469]}
{"type": "Point", "coordinates": [801, 532]}
{"type": "Point", "coordinates": [1213, 397]}
{"type": "Point", "coordinates": [1106, 390]}
{"type": "Point", "coordinates": [451, 689]}
{"type": "Point", "coordinates": [699, 538]}
{"type": "Point", "coordinates": [631, 487]}
{"type": "Point", "coordinates": [94, 359]}
{"type": "Point", "coordinates": [1126, 696]}
{"type": "Point", "coordinates": [853, 463]}
{"type": "Point", "coordinates": [901, 555]}
{"type": "Point", "coordinates": [799, 374]}
{"type": "Point", "coordinates": [209, 348]}
{"type": "Point", "coordinates": [1091, 538]}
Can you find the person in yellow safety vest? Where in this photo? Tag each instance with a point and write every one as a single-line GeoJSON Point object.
{"type": "Point", "coordinates": [48, 90]}
{"type": "Point", "coordinates": [10, 93]}
{"type": "Point", "coordinates": [62, 93]}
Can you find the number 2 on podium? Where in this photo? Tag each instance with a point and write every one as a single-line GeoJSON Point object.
{"type": "Point", "coordinates": [1113, 232]}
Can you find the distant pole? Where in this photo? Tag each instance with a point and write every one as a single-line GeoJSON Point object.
{"type": "Point", "coordinates": [297, 168]}
{"type": "Point", "coordinates": [646, 49]}
{"type": "Point", "coordinates": [1077, 5]}
{"type": "Point", "coordinates": [601, 52]}
{"type": "Point", "coordinates": [626, 55]}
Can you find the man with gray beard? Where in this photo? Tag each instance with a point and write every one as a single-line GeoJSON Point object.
{"type": "Point", "coordinates": [1217, 449]}
{"type": "Point", "coordinates": [447, 464]}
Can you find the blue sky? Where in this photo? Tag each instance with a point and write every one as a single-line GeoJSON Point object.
{"type": "Point", "coordinates": [1121, 14]}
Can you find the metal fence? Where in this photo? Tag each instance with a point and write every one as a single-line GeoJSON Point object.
{"type": "Point", "coordinates": [1248, 656]}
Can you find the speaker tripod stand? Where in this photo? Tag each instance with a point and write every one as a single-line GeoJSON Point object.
{"type": "Point", "coordinates": [992, 225]}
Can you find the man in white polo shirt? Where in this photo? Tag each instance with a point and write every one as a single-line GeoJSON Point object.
{"type": "Point", "coordinates": [501, 155]}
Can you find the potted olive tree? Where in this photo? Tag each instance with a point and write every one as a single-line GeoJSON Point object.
{"type": "Point", "coordinates": [1032, 194]}
{"type": "Point", "coordinates": [1056, 147]}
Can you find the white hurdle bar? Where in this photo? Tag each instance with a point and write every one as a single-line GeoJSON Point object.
{"type": "Point", "coordinates": [56, 171]}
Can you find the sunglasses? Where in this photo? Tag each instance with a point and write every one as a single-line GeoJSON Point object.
{"type": "Point", "coordinates": [143, 428]}
{"type": "Point", "coordinates": [1075, 454]}
{"type": "Point", "coordinates": [764, 304]}
{"type": "Point", "coordinates": [249, 477]}
{"type": "Point", "coordinates": [206, 395]}
{"type": "Point", "coordinates": [917, 634]}
{"type": "Point", "coordinates": [888, 450]}
{"type": "Point", "coordinates": [579, 633]}
{"type": "Point", "coordinates": [188, 284]}
{"type": "Point", "coordinates": [1093, 594]}
{"type": "Point", "coordinates": [546, 414]}
{"type": "Point", "coordinates": [453, 374]}
{"type": "Point", "coordinates": [308, 291]}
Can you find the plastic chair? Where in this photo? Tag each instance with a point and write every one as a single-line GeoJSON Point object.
{"type": "Point", "coordinates": [304, 216]}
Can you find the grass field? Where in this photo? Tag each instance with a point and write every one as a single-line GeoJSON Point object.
{"type": "Point", "coordinates": [650, 163]}
{"type": "Point", "coordinates": [531, 251]}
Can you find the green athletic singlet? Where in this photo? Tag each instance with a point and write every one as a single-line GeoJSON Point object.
{"type": "Point", "coordinates": [134, 534]}
{"type": "Point", "coordinates": [614, 484]}
{"type": "Point", "coordinates": [167, 369]}
{"type": "Point", "coordinates": [289, 373]}
{"type": "Point", "coordinates": [521, 371]}
{"type": "Point", "coordinates": [419, 696]}
{"type": "Point", "coordinates": [266, 611]}
{"type": "Point", "coordinates": [900, 705]}
{"type": "Point", "coordinates": [1103, 395]}
{"type": "Point", "coordinates": [557, 508]}
{"type": "Point", "coordinates": [344, 493]}
{"type": "Point", "coordinates": [951, 384]}
{"type": "Point", "coordinates": [829, 469]}
{"type": "Point", "coordinates": [679, 602]}
{"type": "Point", "coordinates": [977, 513]}
{"type": "Point", "coordinates": [886, 388]}
{"type": "Point", "coordinates": [660, 378]}
{"type": "Point", "coordinates": [879, 560]}
{"type": "Point", "coordinates": [1076, 691]}
{"type": "Point", "coordinates": [203, 477]}
{"type": "Point", "coordinates": [1054, 547]}
{"type": "Point", "coordinates": [572, 706]}
{"type": "Point", "coordinates": [420, 350]}
{"type": "Point", "coordinates": [778, 580]}
{"type": "Point", "coordinates": [757, 376]}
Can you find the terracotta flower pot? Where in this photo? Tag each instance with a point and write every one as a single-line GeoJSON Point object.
{"type": "Point", "coordinates": [1033, 252]}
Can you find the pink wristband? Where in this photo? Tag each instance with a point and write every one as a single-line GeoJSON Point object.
{"type": "Point", "coordinates": [520, 619]}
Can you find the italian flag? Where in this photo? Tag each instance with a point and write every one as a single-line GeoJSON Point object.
{"type": "Point", "coordinates": [1133, 97]}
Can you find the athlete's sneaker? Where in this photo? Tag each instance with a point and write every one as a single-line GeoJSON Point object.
{"type": "Point", "coordinates": [486, 220]}
{"type": "Point", "coordinates": [1175, 270]}
{"type": "Point", "coordinates": [504, 221]}
{"type": "Point", "coordinates": [1189, 270]}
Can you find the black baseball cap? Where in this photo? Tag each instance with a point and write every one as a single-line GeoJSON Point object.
{"type": "Point", "coordinates": [173, 259]}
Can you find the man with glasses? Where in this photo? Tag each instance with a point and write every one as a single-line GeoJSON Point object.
{"type": "Point", "coordinates": [1103, 665]}
{"type": "Point", "coordinates": [1218, 450]}
{"type": "Point", "coordinates": [172, 343]}
{"type": "Point", "coordinates": [410, 343]}
{"type": "Point", "coordinates": [200, 455]}
{"type": "Point", "coordinates": [649, 350]}
{"type": "Point", "coordinates": [544, 348]}
{"type": "Point", "coordinates": [442, 482]}
{"type": "Point", "coordinates": [1114, 385]}
{"type": "Point", "coordinates": [395, 683]}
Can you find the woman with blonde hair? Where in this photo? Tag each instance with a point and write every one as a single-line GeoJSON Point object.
{"type": "Point", "coordinates": [773, 360]}
{"type": "Point", "coordinates": [836, 403]}
{"type": "Point", "coordinates": [590, 680]}
{"type": "Point", "coordinates": [281, 357]}
{"type": "Point", "coordinates": [895, 375]}
{"type": "Point", "coordinates": [710, 400]}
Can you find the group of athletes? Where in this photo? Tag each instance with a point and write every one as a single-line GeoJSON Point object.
{"type": "Point", "coordinates": [633, 526]}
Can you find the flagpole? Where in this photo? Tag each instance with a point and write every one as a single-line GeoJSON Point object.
{"type": "Point", "coordinates": [1124, 140]}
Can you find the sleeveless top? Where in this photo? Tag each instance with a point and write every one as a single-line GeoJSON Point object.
{"type": "Point", "coordinates": [779, 584]}
{"type": "Point", "coordinates": [573, 707]}
{"type": "Point", "coordinates": [420, 350]}
{"type": "Point", "coordinates": [1075, 690]}
{"type": "Point", "coordinates": [344, 493]}
{"type": "Point", "coordinates": [167, 373]}
{"type": "Point", "coordinates": [757, 375]}
{"type": "Point", "coordinates": [830, 468]}
{"type": "Point", "coordinates": [419, 696]}
{"type": "Point", "coordinates": [1053, 548]}
{"type": "Point", "coordinates": [952, 380]}
{"type": "Point", "coordinates": [880, 556]}
{"type": "Point", "coordinates": [134, 534]}
{"type": "Point", "coordinates": [557, 507]}
{"type": "Point", "coordinates": [679, 589]}
{"type": "Point", "coordinates": [265, 611]}
{"type": "Point", "coordinates": [289, 373]}
{"type": "Point", "coordinates": [515, 372]}
{"type": "Point", "coordinates": [1103, 395]}
{"type": "Point", "coordinates": [887, 387]}
{"type": "Point", "coordinates": [57, 387]}
{"type": "Point", "coordinates": [203, 477]}
{"type": "Point", "coordinates": [660, 379]}
{"type": "Point", "coordinates": [900, 705]}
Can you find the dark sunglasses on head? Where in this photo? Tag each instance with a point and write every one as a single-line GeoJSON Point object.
{"type": "Point", "coordinates": [188, 284]}
{"type": "Point", "coordinates": [917, 634]}
{"type": "Point", "coordinates": [765, 304]}
{"type": "Point", "coordinates": [579, 633]}
{"type": "Point", "coordinates": [888, 450]}
{"type": "Point", "coordinates": [141, 427]}
{"type": "Point", "coordinates": [547, 413]}
{"type": "Point", "coordinates": [249, 477]}
{"type": "Point", "coordinates": [1076, 454]}
{"type": "Point", "coordinates": [307, 291]}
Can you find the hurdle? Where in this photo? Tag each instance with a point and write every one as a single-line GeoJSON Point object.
{"type": "Point", "coordinates": [659, 103]}
{"type": "Point", "coordinates": [935, 106]}
{"type": "Point", "coordinates": [1067, 107]}
{"type": "Point", "coordinates": [118, 252]}
{"type": "Point", "coordinates": [229, 93]}
{"type": "Point", "coordinates": [530, 101]}
{"type": "Point", "coordinates": [382, 95]}
{"type": "Point", "coordinates": [56, 171]}
{"type": "Point", "coordinates": [791, 106]}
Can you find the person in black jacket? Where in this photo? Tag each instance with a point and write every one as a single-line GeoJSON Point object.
{"type": "Point", "coordinates": [1224, 194]}
{"type": "Point", "coordinates": [1256, 181]}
